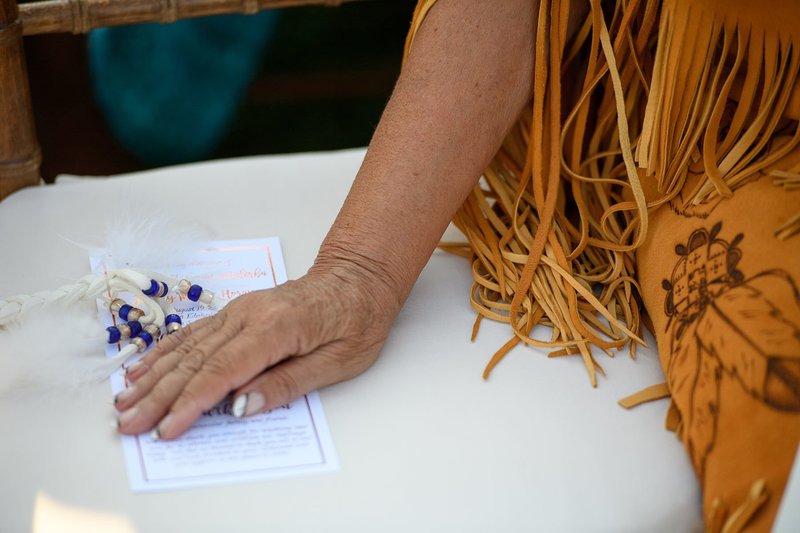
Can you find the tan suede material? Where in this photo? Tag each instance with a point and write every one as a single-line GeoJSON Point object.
{"type": "Point", "coordinates": [728, 332]}
{"type": "Point", "coordinates": [660, 155]}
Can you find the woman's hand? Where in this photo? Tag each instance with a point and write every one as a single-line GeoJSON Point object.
{"type": "Point", "coordinates": [267, 347]}
{"type": "Point", "coordinates": [467, 77]}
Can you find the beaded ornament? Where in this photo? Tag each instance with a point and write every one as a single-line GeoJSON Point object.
{"type": "Point", "coordinates": [140, 327]}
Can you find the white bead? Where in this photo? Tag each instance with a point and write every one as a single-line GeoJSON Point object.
{"type": "Point", "coordinates": [184, 285]}
{"type": "Point", "coordinates": [116, 305]}
{"type": "Point", "coordinates": [141, 345]}
{"type": "Point", "coordinates": [124, 331]}
{"type": "Point", "coordinates": [163, 289]}
{"type": "Point", "coordinates": [206, 297]}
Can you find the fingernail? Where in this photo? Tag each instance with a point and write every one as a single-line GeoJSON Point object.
{"type": "Point", "coordinates": [255, 403]}
{"type": "Point", "coordinates": [161, 428]}
{"type": "Point", "coordinates": [133, 367]}
{"type": "Point", "coordinates": [127, 416]}
{"type": "Point", "coordinates": [124, 395]}
{"type": "Point", "coordinates": [239, 406]}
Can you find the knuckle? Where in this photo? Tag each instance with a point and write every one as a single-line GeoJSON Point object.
{"type": "Point", "coordinates": [191, 363]}
{"type": "Point", "coordinates": [219, 370]}
{"type": "Point", "coordinates": [185, 335]}
{"type": "Point", "coordinates": [216, 366]}
{"type": "Point", "coordinates": [228, 333]}
{"type": "Point", "coordinates": [188, 346]}
{"type": "Point", "coordinates": [169, 342]}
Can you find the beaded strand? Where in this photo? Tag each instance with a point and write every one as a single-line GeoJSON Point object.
{"type": "Point", "coordinates": [142, 328]}
{"type": "Point", "coordinates": [195, 293]}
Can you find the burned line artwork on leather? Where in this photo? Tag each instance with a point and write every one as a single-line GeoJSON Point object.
{"type": "Point", "coordinates": [723, 322]}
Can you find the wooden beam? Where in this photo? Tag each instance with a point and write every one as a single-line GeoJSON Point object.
{"type": "Point", "coordinates": [80, 16]}
{"type": "Point", "coordinates": [19, 152]}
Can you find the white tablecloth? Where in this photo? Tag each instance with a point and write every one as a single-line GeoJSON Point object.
{"type": "Point", "coordinates": [424, 443]}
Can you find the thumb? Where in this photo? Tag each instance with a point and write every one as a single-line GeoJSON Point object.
{"type": "Point", "coordinates": [282, 384]}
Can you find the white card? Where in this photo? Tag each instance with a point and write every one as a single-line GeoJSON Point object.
{"type": "Point", "coordinates": [788, 518]}
{"type": "Point", "coordinates": [220, 448]}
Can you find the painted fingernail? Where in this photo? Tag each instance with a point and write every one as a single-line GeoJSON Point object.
{"type": "Point", "coordinates": [239, 406]}
{"type": "Point", "coordinates": [124, 395]}
{"type": "Point", "coordinates": [128, 416]}
{"type": "Point", "coordinates": [255, 403]}
{"type": "Point", "coordinates": [161, 428]}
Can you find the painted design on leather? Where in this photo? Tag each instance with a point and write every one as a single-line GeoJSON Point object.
{"type": "Point", "coordinates": [723, 322]}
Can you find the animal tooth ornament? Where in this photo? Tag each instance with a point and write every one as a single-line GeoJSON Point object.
{"type": "Point", "coordinates": [55, 340]}
{"type": "Point", "coordinates": [140, 328]}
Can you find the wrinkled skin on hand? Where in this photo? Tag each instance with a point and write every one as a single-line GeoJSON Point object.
{"type": "Point", "coordinates": [425, 157]}
{"type": "Point", "coordinates": [272, 346]}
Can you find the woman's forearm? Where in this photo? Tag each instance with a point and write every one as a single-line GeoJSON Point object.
{"type": "Point", "coordinates": [465, 82]}
{"type": "Point", "coordinates": [466, 79]}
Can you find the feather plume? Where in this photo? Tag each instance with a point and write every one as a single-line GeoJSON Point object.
{"type": "Point", "coordinates": [145, 237]}
{"type": "Point", "coordinates": [149, 238]}
{"type": "Point", "coordinates": [57, 350]}
{"type": "Point", "coordinates": [58, 343]}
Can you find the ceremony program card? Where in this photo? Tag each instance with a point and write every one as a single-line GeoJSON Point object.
{"type": "Point", "coordinates": [220, 448]}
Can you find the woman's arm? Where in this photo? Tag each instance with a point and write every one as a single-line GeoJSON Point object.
{"type": "Point", "coordinates": [466, 80]}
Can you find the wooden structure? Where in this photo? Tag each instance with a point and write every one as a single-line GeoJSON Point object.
{"type": "Point", "coordinates": [20, 156]}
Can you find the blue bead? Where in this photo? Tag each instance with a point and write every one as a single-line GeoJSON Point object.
{"type": "Point", "coordinates": [135, 326]}
{"type": "Point", "coordinates": [164, 290]}
{"type": "Point", "coordinates": [154, 288]}
{"type": "Point", "coordinates": [194, 292]}
{"type": "Point", "coordinates": [146, 337]}
{"type": "Point", "coordinates": [113, 335]}
{"type": "Point", "coordinates": [124, 310]}
{"type": "Point", "coordinates": [172, 318]}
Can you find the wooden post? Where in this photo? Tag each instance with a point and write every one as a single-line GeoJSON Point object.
{"type": "Point", "coordinates": [19, 151]}
{"type": "Point", "coordinates": [80, 16]}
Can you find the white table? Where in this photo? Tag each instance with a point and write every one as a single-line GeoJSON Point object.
{"type": "Point", "coordinates": [424, 443]}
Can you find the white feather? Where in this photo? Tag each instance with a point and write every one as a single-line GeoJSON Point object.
{"type": "Point", "coordinates": [148, 238]}
{"type": "Point", "coordinates": [145, 237]}
{"type": "Point", "coordinates": [60, 347]}
{"type": "Point", "coordinates": [54, 351]}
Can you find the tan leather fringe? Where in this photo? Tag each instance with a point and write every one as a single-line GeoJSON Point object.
{"type": "Point", "coordinates": [790, 181]}
{"type": "Point", "coordinates": [719, 521]}
{"type": "Point", "coordinates": [555, 221]}
{"type": "Point", "coordinates": [648, 394]}
{"type": "Point", "coordinates": [720, 52]}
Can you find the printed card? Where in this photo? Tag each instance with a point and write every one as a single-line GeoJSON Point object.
{"type": "Point", "coordinates": [219, 448]}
